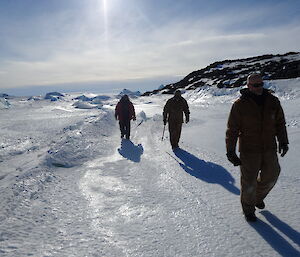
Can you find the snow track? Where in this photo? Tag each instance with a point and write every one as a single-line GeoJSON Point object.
{"type": "Point", "coordinates": [152, 207]}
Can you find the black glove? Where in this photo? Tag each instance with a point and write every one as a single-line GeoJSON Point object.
{"type": "Point", "coordinates": [187, 119]}
{"type": "Point", "coordinates": [165, 122]}
{"type": "Point", "coordinates": [282, 149]}
{"type": "Point", "coordinates": [233, 158]}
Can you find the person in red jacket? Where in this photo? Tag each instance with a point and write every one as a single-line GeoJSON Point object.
{"type": "Point", "coordinates": [125, 112]}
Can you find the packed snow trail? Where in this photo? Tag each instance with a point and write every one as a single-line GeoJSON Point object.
{"type": "Point", "coordinates": [147, 205]}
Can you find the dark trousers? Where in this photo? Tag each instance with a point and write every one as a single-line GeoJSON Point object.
{"type": "Point", "coordinates": [259, 173]}
{"type": "Point", "coordinates": [125, 128]}
{"type": "Point", "coordinates": [175, 132]}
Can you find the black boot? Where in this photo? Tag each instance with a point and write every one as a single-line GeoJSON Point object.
{"type": "Point", "coordinates": [251, 217]}
{"type": "Point", "coordinates": [260, 205]}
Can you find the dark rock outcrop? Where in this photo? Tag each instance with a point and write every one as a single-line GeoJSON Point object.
{"type": "Point", "coordinates": [233, 73]}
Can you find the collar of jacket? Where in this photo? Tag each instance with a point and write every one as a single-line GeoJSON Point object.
{"type": "Point", "coordinates": [124, 101]}
{"type": "Point", "coordinates": [246, 93]}
{"type": "Point", "coordinates": [177, 98]}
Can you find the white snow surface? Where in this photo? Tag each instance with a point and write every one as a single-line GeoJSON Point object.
{"type": "Point", "coordinates": [4, 104]}
{"type": "Point", "coordinates": [70, 186]}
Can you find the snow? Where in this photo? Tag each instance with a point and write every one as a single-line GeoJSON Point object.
{"type": "Point", "coordinates": [93, 99]}
{"type": "Point", "coordinates": [34, 98]}
{"type": "Point", "coordinates": [71, 187]}
{"type": "Point", "coordinates": [84, 105]}
{"type": "Point", "coordinates": [54, 96]}
{"type": "Point", "coordinates": [129, 93]}
{"type": "Point", "coordinates": [83, 98]}
{"type": "Point", "coordinates": [4, 104]}
{"type": "Point", "coordinates": [85, 102]}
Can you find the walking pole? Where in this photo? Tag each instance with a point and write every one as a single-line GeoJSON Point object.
{"type": "Point", "coordinates": [139, 124]}
{"type": "Point", "coordinates": [162, 138]}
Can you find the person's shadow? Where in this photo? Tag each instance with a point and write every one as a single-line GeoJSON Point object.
{"type": "Point", "coordinates": [130, 151]}
{"type": "Point", "coordinates": [206, 171]}
{"type": "Point", "coordinates": [276, 241]}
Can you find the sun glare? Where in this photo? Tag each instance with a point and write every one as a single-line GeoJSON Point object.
{"type": "Point", "coordinates": [105, 19]}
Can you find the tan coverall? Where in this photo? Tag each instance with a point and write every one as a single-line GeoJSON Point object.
{"type": "Point", "coordinates": [256, 127]}
{"type": "Point", "coordinates": [173, 113]}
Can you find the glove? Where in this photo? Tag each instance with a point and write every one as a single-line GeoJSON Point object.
{"type": "Point", "coordinates": [116, 117]}
{"type": "Point", "coordinates": [187, 119]}
{"type": "Point", "coordinates": [282, 149]}
{"type": "Point", "coordinates": [134, 118]}
{"type": "Point", "coordinates": [233, 158]}
{"type": "Point", "coordinates": [165, 122]}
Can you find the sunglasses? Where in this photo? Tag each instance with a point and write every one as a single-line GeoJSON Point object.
{"type": "Point", "coordinates": [261, 84]}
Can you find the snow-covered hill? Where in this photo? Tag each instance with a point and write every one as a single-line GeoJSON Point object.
{"type": "Point", "coordinates": [233, 73]}
{"type": "Point", "coordinates": [70, 186]}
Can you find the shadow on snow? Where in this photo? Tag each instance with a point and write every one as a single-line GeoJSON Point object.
{"type": "Point", "coordinates": [276, 241]}
{"type": "Point", "coordinates": [206, 171]}
{"type": "Point", "coordinates": [130, 151]}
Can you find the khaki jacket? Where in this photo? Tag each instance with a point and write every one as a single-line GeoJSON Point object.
{"type": "Point", "coordinates": [174, 109]}
{"type": "Point", "coordinates": [256, 127]}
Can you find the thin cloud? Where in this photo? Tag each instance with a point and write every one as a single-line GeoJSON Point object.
{"type": "Point", "coordinates": [82, 53]}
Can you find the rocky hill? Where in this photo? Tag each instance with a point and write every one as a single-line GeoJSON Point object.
{"type": "Point", "coordinates": [233, 73]}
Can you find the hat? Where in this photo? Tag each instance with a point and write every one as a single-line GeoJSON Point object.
{"type": "Point", "coordinates": [253, 77]}
{"type": "Point", "coordinates": [177, 92]}
{"type": "Point", "coordinates": [124, 98]}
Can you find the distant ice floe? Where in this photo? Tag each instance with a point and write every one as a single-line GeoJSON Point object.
{"type": "Point", "coordinates": [132, 94]}
{"type": "Point", "coordinates": [54, 96]}
{"type": "Point", "coordinates": [86, 105]}
{"type": "Point", "coordinates": [85, 102]}
{"type": "Point", "coordinates": [94, 100]}
{"type": "Point", "coordinates": [101, 98]}
{"type": "Point", "coordinates": [35, 98]}
{"type": "Point", "coordinates": [83, 98]}
{"type": "Point", "coordinates": [4, 104]}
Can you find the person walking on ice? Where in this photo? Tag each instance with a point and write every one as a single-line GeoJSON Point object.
{"type": "Point", "coordinates": [125, 112]}
{"type": "Point", "coordinates": [173, 114]}
{"type": "Point", "coordinates": [256, 119]}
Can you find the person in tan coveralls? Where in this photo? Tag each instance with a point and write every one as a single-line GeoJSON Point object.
{"type": "Point", "coordinates": [173, 114]}
{"type": "Point", "coordinates": [256, 119]}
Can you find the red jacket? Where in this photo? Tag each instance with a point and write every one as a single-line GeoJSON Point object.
{"type": "Point", "coordinates": [125, 110]}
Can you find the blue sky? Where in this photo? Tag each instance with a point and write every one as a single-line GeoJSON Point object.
{"type": "Point", "coordinates": [92, 43]}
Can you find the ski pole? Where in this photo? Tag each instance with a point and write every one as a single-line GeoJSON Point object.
{"type": "Point", "coordinates": [162, 138]}
{"type": "Point", "coordinates": [139, 124]}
